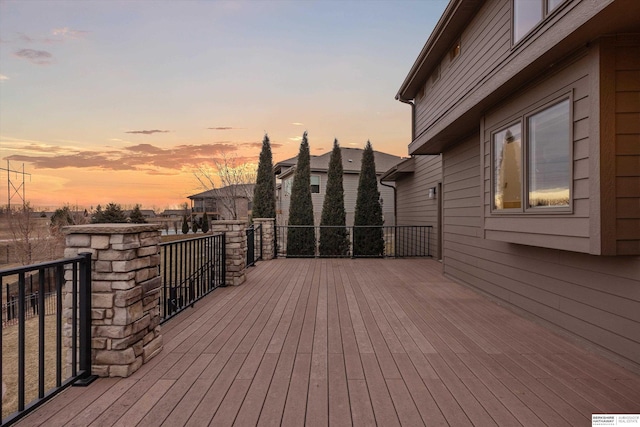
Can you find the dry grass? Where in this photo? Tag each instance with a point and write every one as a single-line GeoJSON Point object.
{"type": "Point", "coordinates": [10, 361]}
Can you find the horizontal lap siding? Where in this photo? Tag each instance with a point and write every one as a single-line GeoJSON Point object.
{"type": "Point", "coordinates": [350, 186]}
{"type": "Point", "coordinates": [484, 44]}
{"type": "Point", "coordinates": [627, 120]}
{"type": "Point", "coordinates": [594, 297]}
{"type": "Point", "coordinates": [565, 231]}
{"type": "Point", "coordinates": [414, 208]}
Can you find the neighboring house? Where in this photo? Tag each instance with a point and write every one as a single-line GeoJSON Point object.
{"type": "Point", "coordinates": [230, 202]}
{"type": "Point", "coordinates": [172, 213]}
{"type": "Point", "coordinates": [535, 110]}
{"type": "Point", "coordinates": [146, 213]}
{"type": "Point", "coordinates": [351, 164]}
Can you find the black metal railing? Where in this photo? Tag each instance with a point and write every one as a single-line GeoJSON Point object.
{"type": "Point", "coordinates": [190, 269]}
{"type": "Point", "coordinates": [254, 244]}
{"type": "Point", "coordinates": [402, 241]}
{"type": "Point", "coordinates": [35, 364]}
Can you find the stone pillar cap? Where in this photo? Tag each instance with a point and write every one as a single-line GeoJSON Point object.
{"type": "Point", "coordinates": [124, 228]}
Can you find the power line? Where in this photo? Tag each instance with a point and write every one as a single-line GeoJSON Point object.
{"type": "Point", "coordinates": [12, 190]}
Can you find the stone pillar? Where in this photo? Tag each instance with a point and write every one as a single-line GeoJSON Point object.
{"type": "Point", "coordinates": [125, 287]}
{"type": "Point", "coordinates": [268, 236]}
{"type": "Point", "coordinates": [235, 249]}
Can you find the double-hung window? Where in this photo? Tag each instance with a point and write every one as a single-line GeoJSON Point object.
{"type": "Point", "coordinates": [315, 184]}
{"type": "Point", "coordinates": [531, 162]}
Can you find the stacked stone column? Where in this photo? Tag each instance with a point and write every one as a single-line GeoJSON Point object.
{"type": "Point", "coordinates": [235, 249]}
{"type": "Point", "coordinates": [268, 236]}
{"type": "Point", "coordinates": [125, 294]}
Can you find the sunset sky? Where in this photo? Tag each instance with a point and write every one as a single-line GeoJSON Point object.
{"type": "Point", "coordinates": [119, 101]}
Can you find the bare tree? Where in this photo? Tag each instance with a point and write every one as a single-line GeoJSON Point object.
{"type": "Point", "coordinates": [232, 181]}
{"type": "Point", "coordinates": [30, 236]}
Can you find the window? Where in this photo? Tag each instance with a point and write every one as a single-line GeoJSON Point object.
{"type": "Point", "coordinates": [536, 164]}
{"type": "Point", "coordinates": [528, 13]}
{"type": "Point", "coordinates": [549, 142]}
{"type": "Point", "coordinates": [507, 158]}
{"type": "Point", "coordinates": [286, 185]}
{"type": "Point", "coordinates": [315, 184]}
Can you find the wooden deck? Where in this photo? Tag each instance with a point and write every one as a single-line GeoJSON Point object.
{"type": "Point", "coordinates": [353, 342]}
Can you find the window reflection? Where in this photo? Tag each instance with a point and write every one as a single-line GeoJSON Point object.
{"type": "Point", "coordinates": [526, 14]}
{"type": "Point", "coordinates": [507, 153]}
{"type": "Point", "coordinates": [548, 150]}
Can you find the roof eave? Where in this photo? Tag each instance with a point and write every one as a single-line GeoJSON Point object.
{"type": "Point", "coordinates": [454, 18]}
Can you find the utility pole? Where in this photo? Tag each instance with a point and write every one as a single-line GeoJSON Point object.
{"type": "Point", "coordinates": [14, 191]}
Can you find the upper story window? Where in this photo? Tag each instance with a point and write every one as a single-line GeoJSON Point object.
{"type": "Point", "coordinates": [315, 184]}
{"type": "Point", "coordinates": [532, 168]}
{"type": "Point", "coordinates": [286, 186]}
{"type": "Point", "coordinates": [528, 13]}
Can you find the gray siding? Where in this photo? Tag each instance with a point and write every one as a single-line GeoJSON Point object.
{"type": "Point", "coordinates": [596, 298]}
{"type": "Point", "coordinates": [350, 185]}
{"type": "Point", "coordinates": [559, 231]}
{"type": "Point", "coordinates": [485, 43]}
{"type": "Point", "coordinates": [414, 208]}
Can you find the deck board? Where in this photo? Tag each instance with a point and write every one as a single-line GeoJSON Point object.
{"type": "Point", "coordinates": [352, 342]}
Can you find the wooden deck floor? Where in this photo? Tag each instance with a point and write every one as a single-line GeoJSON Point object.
{"type": "Point", "coordinates": [353, 342]}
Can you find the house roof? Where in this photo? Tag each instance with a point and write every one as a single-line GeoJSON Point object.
{"type": "Point", "coordinates": [149, 213]}
{"type": "Point", "coordinates": [238, 190]}
{"type": "Point", "coordinates": [523, 65]}
{"type": "Point", "coordinates": [405, 167]}
{"type": "Point", "coordinates": [453, 20]}
{"type": "Point", "coordinates": [171, 212]}
{"type": "Point", "coordinates": [351, 162]}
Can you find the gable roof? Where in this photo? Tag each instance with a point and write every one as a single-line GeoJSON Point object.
{"type": "Point", "coordinates": [236, 189]}
{"type": "Point", "coordinates": [351, 162]}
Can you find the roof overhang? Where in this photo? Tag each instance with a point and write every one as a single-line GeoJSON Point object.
{"type": "Point", "coordinates": [404, 168]}
{"type": "Point", "coordinates": [463, 119]}
{"type": "Point", "coordinates": [453, 20]}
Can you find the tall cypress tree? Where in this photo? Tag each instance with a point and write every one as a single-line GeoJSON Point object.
{"type": "Point", "coordinates": [264, 196]}
{"type": "Point", "coordinates": [368, 238]}
{"type": "Point", "coordinates": [334, 240]}
{"type": "Point", "coordinates": [301, 241]}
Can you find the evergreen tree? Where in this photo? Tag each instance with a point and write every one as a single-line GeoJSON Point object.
{"type": "Point", "coordinates": [301, 240]}
{"type": "Point", "coordinates": [334, 240]}
{"type": "Point", "coordinates": [111, 214]}
{"type": "Point", "coordinates": [367, 235]}
{"type": "Point", "coordinates": [205, 223]}
{"type": "Point", "coordinates": [185, 225]}
{"type": "Point", "coordinates": [194, 224]}
{"type": "Point", "coordinates": [136, 216]}
{"type": "Point", "coordinates": [61, 218]}
{"type": "Point", "coordinates": [264, 196]}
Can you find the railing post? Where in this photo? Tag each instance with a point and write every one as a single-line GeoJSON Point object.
{"type": "Point", "coordinates": [235, 249]}
{"type": "Point", "coordinates": [268, 238]}
{"type": "Point", "coordinates": [119, 296]}
{"type": "Point", "coordinates": [85, 321]}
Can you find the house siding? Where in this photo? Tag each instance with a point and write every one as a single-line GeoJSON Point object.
{"type": "Point", "coordinates": [593, 297]}
{"type": "Point", "coordinates": [413, 206]}
{"type": "Point", "coordinates": [488, 36]}
{"type": "Point", "coordinates": [627, 146]}
{"type": "Point", "coordinates": [350, 185]}
{"type": "Point", "coordinates": [574, 230]}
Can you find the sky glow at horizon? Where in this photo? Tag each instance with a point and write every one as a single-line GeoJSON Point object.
{"type": "Point", "coordinates": [121, 100]}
